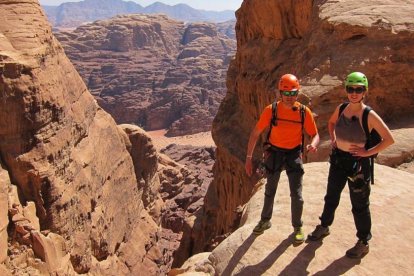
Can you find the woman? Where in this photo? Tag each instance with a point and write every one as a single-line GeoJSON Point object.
{"type": "Point", "coordinates": [349, 162]}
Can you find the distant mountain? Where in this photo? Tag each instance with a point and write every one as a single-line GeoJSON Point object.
{"type": "Point", "coordinates": [187, 13]}
{"type": "Point", "coordinates": [73, 14]}
{"type": "Point", "coordinates": [227, 28]}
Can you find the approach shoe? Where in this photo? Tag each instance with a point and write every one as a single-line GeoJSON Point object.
{"type": "Point", "coordinates": [319, 233]}
{"type": "Point", "coordinates": [262, 226]}
{"type": "Point", "coordinates": [299, 235]}
{"type": "Point", "coordinates": [358, 251]}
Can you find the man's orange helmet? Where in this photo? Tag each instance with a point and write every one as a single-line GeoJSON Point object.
{"type": "Point", "coordinates": [289, 82]}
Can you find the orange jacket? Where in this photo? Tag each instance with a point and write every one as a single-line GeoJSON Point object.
{"type": "Point", "coordinates": [287, 135]}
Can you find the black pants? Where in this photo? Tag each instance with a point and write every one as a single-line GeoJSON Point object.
{"type": "Point", "coordinates": [344, 167]}
{"type": "Point", "coordinates": [291, 160]}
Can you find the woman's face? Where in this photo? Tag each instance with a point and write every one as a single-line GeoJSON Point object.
{"type": "Point", "coordinates": [355, 93]}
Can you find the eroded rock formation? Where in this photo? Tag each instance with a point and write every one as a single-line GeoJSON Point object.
{"type": "Point", "coordinates": [76, 203]}
{"type": "Point", "coordinates": [153, 71]}
{"type": "Point", "coordinates": [172, 192]}
{"type": "Point", "coordinates": [320, 42]}
{"type": "Point", "coordinates": [187, 203]}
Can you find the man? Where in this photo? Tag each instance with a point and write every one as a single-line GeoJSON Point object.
{"type": "Point", "coordinates": [285, 151]}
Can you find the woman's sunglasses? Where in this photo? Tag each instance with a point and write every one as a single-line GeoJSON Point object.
{"type": "Point", "coordinates": [289, 93]}
{"type": "Point", "coordinates": [358, 90]}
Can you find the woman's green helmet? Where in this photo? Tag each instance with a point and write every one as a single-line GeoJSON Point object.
{"type": "Point", "coordinates": [356, 78]}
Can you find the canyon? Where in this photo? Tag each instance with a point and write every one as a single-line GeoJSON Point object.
{"type": "Point", "coordinates": [153, 71]}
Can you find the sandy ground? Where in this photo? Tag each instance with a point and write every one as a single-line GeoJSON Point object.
{"type": "Point", "coordinates": [202, 139]}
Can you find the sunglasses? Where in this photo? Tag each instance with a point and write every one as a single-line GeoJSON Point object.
{"type": "Point", "coordinates": [289, 93]}
{"type": "Point", "coordinates": [358, 90]}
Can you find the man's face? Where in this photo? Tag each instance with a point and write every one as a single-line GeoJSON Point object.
{"type": "Point", "coordinates": [289, 97]}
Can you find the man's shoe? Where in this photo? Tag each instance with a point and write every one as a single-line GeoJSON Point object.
{"type": "Point", "coordinates": [261, 226]}
{"type": "Point", "coordinates": [358, 251]}
{"type": "Point", "coordinates": [299, 235]}
{"type": "Point", "coordinates": [319, 233]}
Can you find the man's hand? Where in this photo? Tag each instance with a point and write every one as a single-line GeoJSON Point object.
{"type": "Point", "coordinates": [333, 144]}
{"type": "Point", "coordinates": [248, 166]}
{"type": "Point", "coordinates": [311, 148]}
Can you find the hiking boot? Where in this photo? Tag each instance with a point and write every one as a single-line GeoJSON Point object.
{"type": "Point", "coordinates": [261, 226]}
{"type": "Point", "coordinates": [299, 235]}
{"type": "Point", "coordinates": [358, 251]}
{"type": "Point", "coordinates": [319, 233]}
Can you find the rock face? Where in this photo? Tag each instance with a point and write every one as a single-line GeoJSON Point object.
{"type": "Point", "coordinates": [153, 71]}
{"type": "Point", "coordinates": [173, 192]}
{"type": "Point", "coordinates": [4, 221]}
{"type": "Point", "coordinates": [184, 186]}
{"type": "Point", "coordinates": [73, 14]}
{"type": "Point", "coordinates": [67, 160]}
{"type": "Point", "coordinates": [320, 42]}
{"type": "Point", "coordinates": [273, 253]}
{"type": "Point", "coordinates": [145, 159]}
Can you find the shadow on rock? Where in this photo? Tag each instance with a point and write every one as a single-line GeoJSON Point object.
{"type": "Point", "coordinates": [239, 254]}
{"type": "Point", "coordinates": [263, 266]}
{"type": "Point", "coordinates": [299, 265]}
{"type": "Point", "coordinates": [339, 267]}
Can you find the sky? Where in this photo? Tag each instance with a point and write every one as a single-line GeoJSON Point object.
{"type": "Point", "coordinates": [211, 5]}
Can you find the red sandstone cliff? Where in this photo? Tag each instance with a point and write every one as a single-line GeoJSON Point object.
{"type": "Point", "coordinates": [54, 144]}
{"type": "Point", "coordinates": [82, 194]}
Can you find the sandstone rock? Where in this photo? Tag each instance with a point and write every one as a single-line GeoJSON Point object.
{"type": "Point", "coordinates": [274, 254]}
{"type": "Point", "coordinates": [320, 42]}
{"type": "Point", "coordinates": [29, 212]}
{"type": "Point", "coordinates": [63, 152]}
{"type": "Point", "coordinates": [183, 189]}
{"type": "Point", "coordinates": [144, 157]}
{"type": "Point", "coordinates": [196, 265]}
{"type": "Point", "coordinates": [4, 220]}
{"type": "Point", "coordinates": [4, 271]}
{"type": "Point", "coordinates": [153, 71]}
{"type": "Point", "coordinates": [51, 249]}
{"type": "Point", "coordinates": [172, 192]}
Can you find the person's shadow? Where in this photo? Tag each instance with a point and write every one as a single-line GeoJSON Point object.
{"type": "Point", "coordinates": [260, 268]}
{"type": "Point", "coordinates": [339, 267]}
{"type": "Point", "coordinates": [239, 254]}
{"type": "Point", "coordinates": [298, 266]}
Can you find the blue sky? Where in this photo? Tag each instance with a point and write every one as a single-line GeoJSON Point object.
{"type": "Point", "coordinates": [213, 5]}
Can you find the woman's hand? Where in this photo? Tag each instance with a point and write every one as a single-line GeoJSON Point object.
{"type": "Point", "coordinates": [358, 151]}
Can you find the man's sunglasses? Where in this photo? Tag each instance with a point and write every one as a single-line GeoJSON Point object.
{"type": "Point", "coordinates": [358, 90]}
{"type": "Point", "coordinates": [289, 93]}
